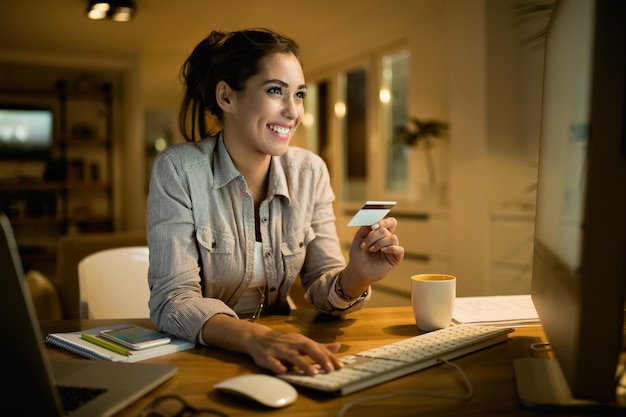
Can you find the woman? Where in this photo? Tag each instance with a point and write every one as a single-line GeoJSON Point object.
{"type": "Point", "coordinates": [235, 215]}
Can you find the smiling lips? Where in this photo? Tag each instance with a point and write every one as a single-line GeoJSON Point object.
{"type": "Point", "coordinates": [280, 129]}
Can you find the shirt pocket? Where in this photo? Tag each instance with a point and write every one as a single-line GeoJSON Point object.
{"type": "Point", "coordinates": [219, 263]}
{"type": "Point", "coordinates": [293, 249]}
{"type": "Point", "coordinates": [215, 241]}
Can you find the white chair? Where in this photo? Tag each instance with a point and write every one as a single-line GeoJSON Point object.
{"type": "Point", "coordinates": [113, 283]}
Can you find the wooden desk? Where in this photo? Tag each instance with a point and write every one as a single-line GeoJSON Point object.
{"type": "Point", "coordinates": [490, 371]}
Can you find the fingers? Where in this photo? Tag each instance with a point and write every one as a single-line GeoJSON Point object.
{"type": "Point", "coordinates": [322, 354]}
{"type": "Point", "coordinates": [279, 351]}
{"type": "Point", "coordinates": [381, 236]}
{"type": "Point", "coordinates": [389, 223]}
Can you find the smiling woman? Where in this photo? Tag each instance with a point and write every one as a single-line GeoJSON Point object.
{"type": "Point", "coordinates": [236, 215]}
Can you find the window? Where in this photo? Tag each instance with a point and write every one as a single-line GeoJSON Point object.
{"type": "Point", "coordinates": [350, 123]}
{"type": "Point", "coordinates": [351, 110]}
{"type": "Point", "coordinates": [393, 97]}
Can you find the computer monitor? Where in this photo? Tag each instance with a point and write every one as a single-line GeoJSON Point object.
{"type": "Point", "coordinates": [579, 263]}
{"type": "Point", "coordinates": [26, 132]}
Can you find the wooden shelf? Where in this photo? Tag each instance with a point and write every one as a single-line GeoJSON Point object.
{"type": "Point", "coordinates": [53, 186]}
{"type": "Point", "coordinates": [17, 221]}
{"type": "Point", "coordinates": [87, 142]}
{"type": "Point", "coordinates": [18, 187]}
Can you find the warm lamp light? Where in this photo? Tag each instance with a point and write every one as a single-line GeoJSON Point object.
{"type": "Point", "coordinates": [116, 10]}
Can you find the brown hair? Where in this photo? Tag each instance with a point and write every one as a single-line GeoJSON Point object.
{"type": "Point", "coordinates": [232, 57]}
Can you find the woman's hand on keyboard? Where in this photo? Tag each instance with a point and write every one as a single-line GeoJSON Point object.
{"type": "Point", "coordinates": [278, 352]}
{"type": "Point", "coordinates": [270, 349]}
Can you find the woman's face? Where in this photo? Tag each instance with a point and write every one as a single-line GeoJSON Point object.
{"type": "Point", "coordinates": [269, 108]}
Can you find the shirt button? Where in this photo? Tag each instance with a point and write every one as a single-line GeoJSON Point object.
{"type": "Point", "coordinates": [268, 254]}
{"type": "Point", "coordinates": [264, 220]}
{"type": "Point", "coordinates": [301, 244]}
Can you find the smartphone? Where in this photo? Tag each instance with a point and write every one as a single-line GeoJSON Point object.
{"type": "Point", "coordinates": [135, 337]}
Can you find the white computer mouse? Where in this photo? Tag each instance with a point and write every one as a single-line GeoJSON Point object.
{"type": "Point", "coordinates": [264, 389]}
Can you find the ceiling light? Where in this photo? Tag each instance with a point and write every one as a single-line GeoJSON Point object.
{"type": "Point", "coordinates": [116, 10]}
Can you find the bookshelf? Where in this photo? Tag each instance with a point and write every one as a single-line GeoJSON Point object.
{"type": "Point", "coordinates": [70, 190]}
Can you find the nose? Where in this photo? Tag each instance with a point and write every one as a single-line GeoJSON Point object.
{"type": "Point", "coordinates": [292, 108]}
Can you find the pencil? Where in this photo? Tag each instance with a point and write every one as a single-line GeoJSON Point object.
{"type": "Point", "coordinates": [103, 343]}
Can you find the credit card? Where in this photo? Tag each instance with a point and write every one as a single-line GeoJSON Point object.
{"type": "Point", "coordinates": [372, 212]}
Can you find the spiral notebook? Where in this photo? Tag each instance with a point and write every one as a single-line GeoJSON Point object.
{"type": "Point", "coordinates": [73, 342]}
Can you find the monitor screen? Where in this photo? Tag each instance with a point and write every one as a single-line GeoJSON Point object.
{"type": "Point", "coordinates": [25, 132]}
{"type": "Point", "coordinates": [579, 263]}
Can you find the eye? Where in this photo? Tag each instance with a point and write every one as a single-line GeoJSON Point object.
{"type": "Point", "coordinates": [301, 95]}
{"type": "Point", "coordinates": [275, 90]}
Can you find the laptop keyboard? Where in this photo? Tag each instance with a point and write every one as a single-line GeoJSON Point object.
{"type": "Point", "coordinates": [74, 397]}
{"type": "Point", "coordinates": [391, 361]}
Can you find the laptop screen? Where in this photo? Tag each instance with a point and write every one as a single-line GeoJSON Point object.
{"type": "Point", "coordinates": [21, 327]}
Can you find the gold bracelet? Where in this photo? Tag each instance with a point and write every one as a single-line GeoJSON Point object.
{"type": "Point", "coordinates": [343, 295]}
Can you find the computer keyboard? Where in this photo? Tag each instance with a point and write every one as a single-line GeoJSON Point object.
{"type": "Point", "coordinates": [74, 397]}
{"type": "Point", "coordinates": [387, 362]}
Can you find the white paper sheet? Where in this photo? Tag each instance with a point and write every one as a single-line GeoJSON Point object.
{"type": "Point", "coordinates": [505, 310]}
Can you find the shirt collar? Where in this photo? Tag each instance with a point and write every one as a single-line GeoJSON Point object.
{"type": "Point", "coordinates": [224, 171]}
{"type": "Point", "coordinates": [278, 179]}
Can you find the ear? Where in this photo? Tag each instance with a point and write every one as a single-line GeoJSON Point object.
{"type": "Point", "coordinates": [224, 95]}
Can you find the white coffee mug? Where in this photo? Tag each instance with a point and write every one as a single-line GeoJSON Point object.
{"type": "Point", "coordinates": [432, 296]}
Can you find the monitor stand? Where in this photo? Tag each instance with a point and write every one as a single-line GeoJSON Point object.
{"type": "Point", "coordinates": [542, 386]}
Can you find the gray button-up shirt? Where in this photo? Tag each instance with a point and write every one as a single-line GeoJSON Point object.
{"type": "Point", "coordinates": [201, 234]}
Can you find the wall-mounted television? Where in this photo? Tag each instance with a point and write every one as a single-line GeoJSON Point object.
{"type": "Point", "coordinates": [26, 132]}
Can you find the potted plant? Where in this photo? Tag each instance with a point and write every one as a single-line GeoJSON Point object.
{"type": "Point", "coordinates": [421, 133]}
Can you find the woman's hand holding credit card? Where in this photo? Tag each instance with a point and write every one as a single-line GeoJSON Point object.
{"type": "Point", "coordinates": [374, 252]}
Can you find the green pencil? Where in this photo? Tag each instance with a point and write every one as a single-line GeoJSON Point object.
{"type": "Point", "coordinates": [103, 343]}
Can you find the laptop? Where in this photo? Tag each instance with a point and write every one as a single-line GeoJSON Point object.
{"type": "Point", "coordinates": [36, 382]}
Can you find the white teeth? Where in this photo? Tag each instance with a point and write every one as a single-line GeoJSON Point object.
{"type": "Point", "coordinates": [281, 130]}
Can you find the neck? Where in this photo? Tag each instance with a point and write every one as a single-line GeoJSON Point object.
{"type": "Point", "coordinates": [252, 164]}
